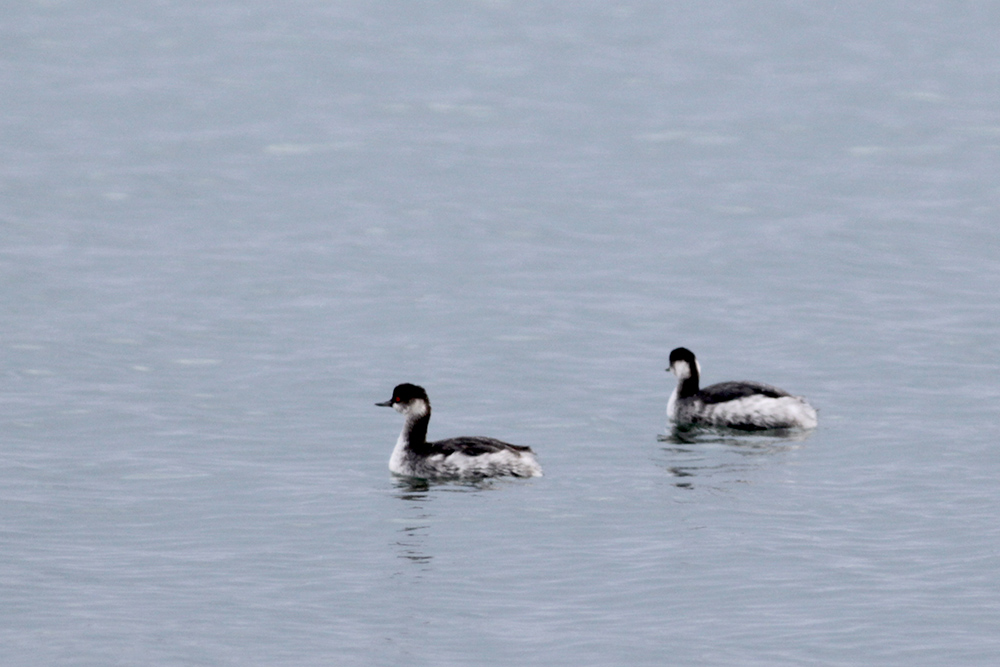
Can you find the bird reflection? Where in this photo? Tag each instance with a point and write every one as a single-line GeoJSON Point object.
{"type": "Point", "coordinates": [715, 458]}
{"type": "Point", "coordinates": [752, 439]}
{"type": "Point", "coordinates": [412, 488]}
{"type": "Point", "coordinates": [411, 538]}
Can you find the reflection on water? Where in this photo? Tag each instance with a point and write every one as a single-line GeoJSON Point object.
{"type": "Point", "coordinates": [720, 457]}
{"type": "Point", "coordinates": [754, 439]}
{"type": "Point", "coordinates": [411, 540]}
{"type": "Point", "coordinates": [412, 488]}
{"type": "Point", "coordinates": [411, 544]}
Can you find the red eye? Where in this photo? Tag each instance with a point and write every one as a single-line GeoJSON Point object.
{"type": "Point", "coordinates": [395, 399]}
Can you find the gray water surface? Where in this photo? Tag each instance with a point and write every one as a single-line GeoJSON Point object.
{"type": "Point", "coordinates": [229, 228]}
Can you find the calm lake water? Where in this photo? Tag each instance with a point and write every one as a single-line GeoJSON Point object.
{"type": "Point", "coordinates": [228, 229]}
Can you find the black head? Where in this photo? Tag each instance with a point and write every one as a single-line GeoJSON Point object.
{"type": "Point", "coordinates": [684, 365]}
{"type": "Point", "coordinates": [404, 394]}
{"type": "Point", "coordinates": [682, 354]}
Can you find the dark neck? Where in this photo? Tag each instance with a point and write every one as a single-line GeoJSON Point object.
{"type": "Point", "coordinates": [417, 438]}
{"type": "Point", "coordinates": [689, 387]}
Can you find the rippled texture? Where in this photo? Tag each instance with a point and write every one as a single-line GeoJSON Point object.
{"type": "Point", "coordinates": [230, 228]}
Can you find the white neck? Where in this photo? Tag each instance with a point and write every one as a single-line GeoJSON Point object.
{"type": "Point", "coordinates": [397, 462]}
{"type": "Point", "coordinates": [672, 402]}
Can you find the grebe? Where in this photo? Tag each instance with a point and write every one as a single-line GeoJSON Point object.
{"type": "Point", "coordinates": [467, 457]}
{"type": "Point", "coordinates": [748, 406]}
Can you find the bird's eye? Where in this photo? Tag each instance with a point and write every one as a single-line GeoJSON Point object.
{"type": "Point", "coordinates": [395, 399]}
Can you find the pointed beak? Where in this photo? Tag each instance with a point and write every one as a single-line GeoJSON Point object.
{"type": "Point", "coordinates": [387, 404]}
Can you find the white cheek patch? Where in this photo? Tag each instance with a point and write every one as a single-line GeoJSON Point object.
{"type": "Point", "coordinates": [416, 408]}
{"type": "Point", "coordinates": [681, 370]}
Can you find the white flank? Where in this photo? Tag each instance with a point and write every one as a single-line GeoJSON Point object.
{"type": "Point", "coordinates": [762, 411]}
{"type": "Point", "coordinates": [784, 412]}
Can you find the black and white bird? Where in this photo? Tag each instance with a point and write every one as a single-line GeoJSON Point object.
{"type": "Point", "coordinates": [747, 406]}
{"type": "Point", "coordinates": [467, 457]}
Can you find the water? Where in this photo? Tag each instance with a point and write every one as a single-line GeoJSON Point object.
{"type": "Point", "coordinates": [230, 228]}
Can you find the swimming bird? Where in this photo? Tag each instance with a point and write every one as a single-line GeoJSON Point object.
{"type": "Point", "coordinates": [467, 457]}
{"type": "Point", "coordinates": [747, 406]}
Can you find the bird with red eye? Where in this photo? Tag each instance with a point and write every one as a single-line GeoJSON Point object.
{"type": "Point", "coordinates": [462, 458]}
